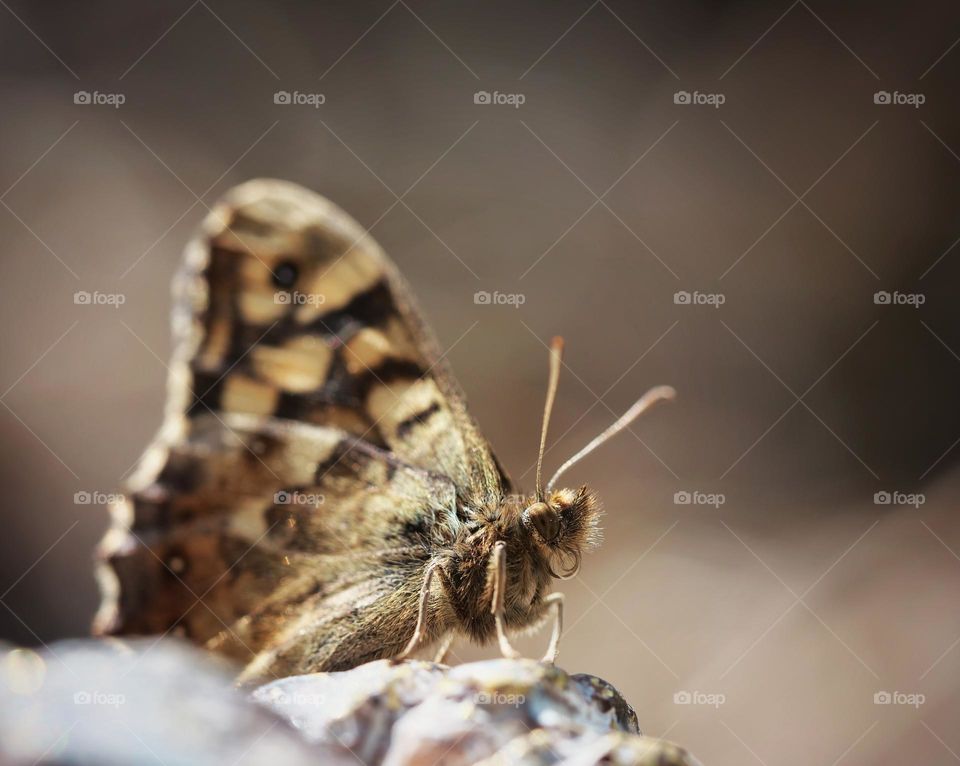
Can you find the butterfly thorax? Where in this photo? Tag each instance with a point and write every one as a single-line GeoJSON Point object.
{"type": "Point", "coordinates": [543, 539]}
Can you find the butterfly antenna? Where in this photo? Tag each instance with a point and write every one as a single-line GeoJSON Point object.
{"type": "Point", "coordinates": [556, 358]}
{"type": "Point", "coordinates": [645, 402]}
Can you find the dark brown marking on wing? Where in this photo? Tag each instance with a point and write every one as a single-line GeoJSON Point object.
{"type": "Point", "coordinates": [390, 371]}
{"type": "Point", "coordinates": [181, 473]}
{"type": "Point", "coordinates": [341, 386]}
{"type": "Point", "coordinates": [207, 393]}
{"type": "Point", "coordinates": [336, 455]}
{"type": "Point", "coordinates": [367, 309]}
{"type": "Point", "coordinates": [294, 406]}
{"type": "Point", "coordinates": [153, 509]}
{"type": "Point", "coordinates": [419, 418]}
{"type": "Point", "coordinates": [371, 308]}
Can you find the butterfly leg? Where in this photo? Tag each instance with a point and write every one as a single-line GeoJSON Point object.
{"type": "Point", "coordinates": [418, 632]}
{"type": "Point", "coordinates": [499, 596]}
{"type": "Point", "coordinates": [556, 601]}
{"type": "Point", "coordinates": [441, 654]}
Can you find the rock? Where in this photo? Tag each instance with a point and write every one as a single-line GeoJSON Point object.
{"type": "Point", "coordinates": [354, 710]}
{"type": "Point", "coordinates": [148, 701]}
{"type": "Point", "coordinates": [107, 702]}
{"type": "Point", "coordinates": [492, 712]}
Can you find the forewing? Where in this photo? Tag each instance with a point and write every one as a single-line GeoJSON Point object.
{"type": "Point", "coordinates": [288, 308]}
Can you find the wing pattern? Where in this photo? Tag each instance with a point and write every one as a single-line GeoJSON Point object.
{"type": "Point", "coordinates": [314, 448]}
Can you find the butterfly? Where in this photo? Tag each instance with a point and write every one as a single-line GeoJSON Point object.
{"type": "Point", "coordinates": [318, 495]}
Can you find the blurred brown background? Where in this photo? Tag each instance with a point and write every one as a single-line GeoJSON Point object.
{"type": "Point", "coordinates": [798, 598]}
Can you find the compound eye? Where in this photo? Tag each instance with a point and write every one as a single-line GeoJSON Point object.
{"type": "Point", "coordinates": [545, 520]}
{"type": "Point", "coordinates": [285, 275]}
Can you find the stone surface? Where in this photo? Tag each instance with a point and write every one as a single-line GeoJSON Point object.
{"type": "Point", "coordinates": [105, 703]}
{"type": "Point", "coordinates": [101, 702]}
{"type": "Point", "coordinates": [492, 712]}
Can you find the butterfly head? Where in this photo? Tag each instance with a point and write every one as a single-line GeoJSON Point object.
{"type": "Point", "coordinates": [564, 521]}
{"type": "Point", "coordinates": [564, 525]}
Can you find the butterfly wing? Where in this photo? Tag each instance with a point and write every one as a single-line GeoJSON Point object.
{"type": "Point", "coordinates": [291, 310]}
{"type": "Point", "coordinates": [315, 446]}
{"type": "Point", "coordinates": [252, 531]}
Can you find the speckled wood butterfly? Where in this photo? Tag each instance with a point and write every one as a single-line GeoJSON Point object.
{"type": "Point", "coordinates": [318, 495]}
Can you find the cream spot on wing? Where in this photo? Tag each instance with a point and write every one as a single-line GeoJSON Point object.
{"type": "Point", "coordinates": [366, 350]}
{"type": "Point", "coordinates": [398, 335]}
{"type": "Point", "coordinates": [259, 300]}
{"type": "Point", "coordinates": [391, 403]}
{"type": "Point", "coordinates": [300, 461]}
{"type": "Point", "coordinates": [299, 366]}
{"type": "Point", "coordinates": [374, 473]}
{"type": "Point", "coordinates": [437, 443]}
{"type": "Point", "coordinates": [333, 286]}
{"type": "Point", "coordinates": [241, 394]}
{"type": "Point", "coordinates": [248, 520]}
{"type": "Point", "coordinates": [264, 225]}
{"type": "Point", "coordinates": [215, 344]}
{"type": "Point", "coordinates": [260, 308]}
{"type": "Point", "coordinates": [344, 418]}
